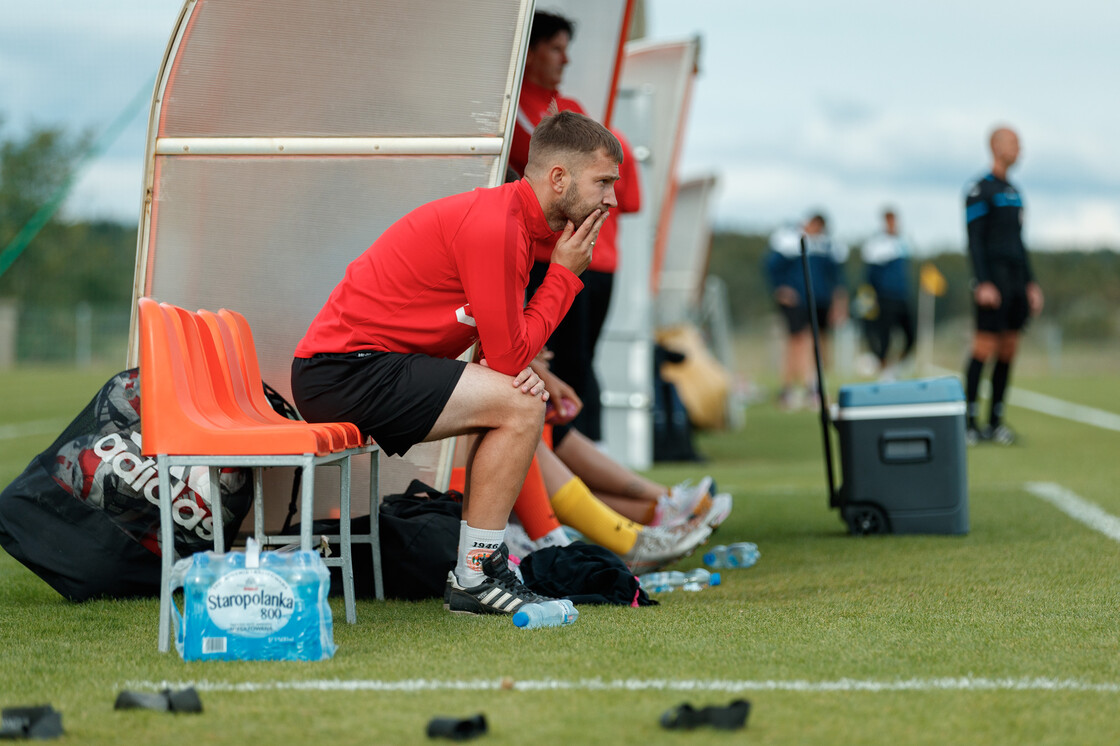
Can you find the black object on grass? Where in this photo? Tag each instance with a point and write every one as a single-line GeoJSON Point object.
{"type": "Point", "coordinates": [41, 722]}
{"type": "Point", "coordinates": [686, 717]}
{"type": "Point", "coordinates": [184, 700]}
{"type": "Point", "coordinates": [457, 729]}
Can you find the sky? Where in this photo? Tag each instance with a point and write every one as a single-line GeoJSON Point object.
{"type": "Point", "coordinates": [799, 106]}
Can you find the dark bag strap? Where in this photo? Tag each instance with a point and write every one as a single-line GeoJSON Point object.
{"type": "Point", "coordinates": [282, 406]}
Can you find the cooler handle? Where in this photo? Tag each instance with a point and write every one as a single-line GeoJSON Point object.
{"type": "Point", "coordinates": [906, 446]}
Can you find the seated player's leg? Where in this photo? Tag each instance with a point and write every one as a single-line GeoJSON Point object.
{"type": "Point", "coordinates": [636, 497]}
{"type": "Point", "coordinates": [508, 425]}
{"type": "Point", "coordinates": [642, 548]}
{"type": "Point", "coordinates": [506, 422]}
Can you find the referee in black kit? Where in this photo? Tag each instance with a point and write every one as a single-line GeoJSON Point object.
{"type": "Point", "coordinates": [1004, 291]}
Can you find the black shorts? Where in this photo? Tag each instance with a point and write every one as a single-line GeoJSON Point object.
{"type": "Point", "coordinates": [1014, 309]}
{"type": "Point", "coordinates": [393, 397]}
{"type": "Point", "coordinates": [797, 317]}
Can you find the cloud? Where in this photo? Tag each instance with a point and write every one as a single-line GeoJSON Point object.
{"type": "Point", "coordinates": [876, 101]}
{"type": "Point", "coordinates": [798, 105]}
{"type": "Point", "coordinates": [76, 64]}
{"type": "Point", "coordinates": [1084, 225]}
{"type": "Point", "coordinates": [850, 158]}
{"type": "Point", "coordinates": [109, 189]}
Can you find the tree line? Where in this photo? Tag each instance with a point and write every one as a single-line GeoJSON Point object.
{"type": "Point", "coordinates": [66, 262]}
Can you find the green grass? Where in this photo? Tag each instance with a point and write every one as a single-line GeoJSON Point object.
{"type": "Point", "coordinates": [1028, 593]}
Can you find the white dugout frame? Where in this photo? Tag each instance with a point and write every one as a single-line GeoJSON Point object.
{"type": "Point", "coordinates": [285, 135]}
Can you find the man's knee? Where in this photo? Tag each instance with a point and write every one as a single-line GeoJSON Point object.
{"type": "Point", "coordinates": [485, 400]}
{"type": "Point", "coordinates": [984, 345]}
{"type": "Point", "coordinates": [1008, 346]}
{"type": "Point", "coordinates": [528, 412]}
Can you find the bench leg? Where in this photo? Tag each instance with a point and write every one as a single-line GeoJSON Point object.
{"type": "Point", "coordinates": [345, 542]}
{"type": "Point", "coordinates": [167, 552]}
{"type": "Point", "coordinates": [375, 522]}
{"type": "Point", "coordinates": [307, 504]}
{"type": "Point", "coordinates": [216, 509]}
{"type": "Point", "coordinates": [258, 504]}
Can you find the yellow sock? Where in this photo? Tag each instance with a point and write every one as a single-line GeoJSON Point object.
{"type": "Point", "coordinates": [575, 506]}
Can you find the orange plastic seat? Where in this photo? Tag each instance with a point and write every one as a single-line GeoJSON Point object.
{"type": "Point", "coordinates": [199, 408]}
{"type": "Point", "coordinates": [175, 419]}
{"type": "Point", "coordinates": [242, 335]}
{"type": "Point", "coordinates": [228, 355]}
{"type": "Point", "coordinates": [229, 387]}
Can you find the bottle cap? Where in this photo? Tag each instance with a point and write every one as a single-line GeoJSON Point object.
{"type": "Point", "coordinates": [520, 619]}
{"type": "Point", "coordinates": [715, 579]}
{"type": "Point", "coordinates": [709, 558]}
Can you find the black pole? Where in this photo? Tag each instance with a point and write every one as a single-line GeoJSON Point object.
{"type": "Point", "coordinates": [832, 497]}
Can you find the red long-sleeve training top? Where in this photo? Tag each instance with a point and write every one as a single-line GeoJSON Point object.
{"type": "Point", "coordinates": [449, 273]}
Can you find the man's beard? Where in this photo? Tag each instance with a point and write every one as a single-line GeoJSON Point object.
{"type": "Point", "coordinates": [573, 207]}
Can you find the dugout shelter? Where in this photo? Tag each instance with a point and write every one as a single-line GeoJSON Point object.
{"type": "Point", "coordinates": [285, 136]}
{"type": "Point", "coordinates": [651, 110]}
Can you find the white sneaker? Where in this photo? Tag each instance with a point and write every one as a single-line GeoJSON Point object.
{"type": "Point", "coordinates": [517, 540]}
{"type": "Point", "coordinates": [721, 509]}
{"type": "Point", "coordinates": [557, 537]}
{"type": "Point", "coordinates": [684, 504]}
{"type": "Point", "coordinates": [658, 546]}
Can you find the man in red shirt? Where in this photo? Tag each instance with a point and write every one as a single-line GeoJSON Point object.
{"type": "Point", "coordinates": [381, 352]}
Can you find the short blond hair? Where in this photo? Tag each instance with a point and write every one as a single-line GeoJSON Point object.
{"type": "Point", "coordinates": [569, 133]}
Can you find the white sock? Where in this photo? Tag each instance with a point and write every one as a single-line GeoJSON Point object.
{"type": "Point", "coordinates": [475, 545]}
{"type": "Point", "coordinates": [459, 566]}
{"type": "Point", "coordinates": [557, 537]}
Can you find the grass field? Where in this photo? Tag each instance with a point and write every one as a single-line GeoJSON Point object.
{"type": "Point", "coordinates": [1009, 635]}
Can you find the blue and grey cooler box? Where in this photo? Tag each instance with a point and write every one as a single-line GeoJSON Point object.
{"type": "Point", "coordinates": [902, 457]}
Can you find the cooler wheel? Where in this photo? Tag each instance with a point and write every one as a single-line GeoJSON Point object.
{"type": "Point", "coordinates": [864, 518]}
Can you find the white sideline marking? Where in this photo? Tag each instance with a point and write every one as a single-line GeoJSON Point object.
{"type": "Point", "coordinates": [1077, 507]}
{"type": "Point", "coordinates": [1067, 410]}
{"type": "Point", "coordinates": [1050, 405]}
{"type": "Point", "coordinates": [27, 429]}
{"type": "Point", "coordinates": [960, 683]}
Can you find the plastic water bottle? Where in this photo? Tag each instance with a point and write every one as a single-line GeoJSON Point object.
{"type": "Point", "coordinates": [311, 624]}
{"type": "Point", "coordinates": [693, 580]}
{"type": "Point", "coordinates": [199, 577]}
{"type": "Point", "coordinates": [739, 554]}
{"type": "Point", "coordinates": [548, 614]}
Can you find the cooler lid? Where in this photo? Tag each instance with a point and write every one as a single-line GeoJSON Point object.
{"type": "Point", "coordinates": [922, 391]}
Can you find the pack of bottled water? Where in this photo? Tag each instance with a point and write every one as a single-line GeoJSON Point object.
{"type": "Point", "coordinates": [253, 605]}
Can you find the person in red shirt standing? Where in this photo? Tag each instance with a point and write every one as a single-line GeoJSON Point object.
{"type": "Point", "coordinates": [574, 341]}
{"type": "Point", "coordinates": [540, 87]}
{"type": "Point", "coordinates": [381, 352]}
